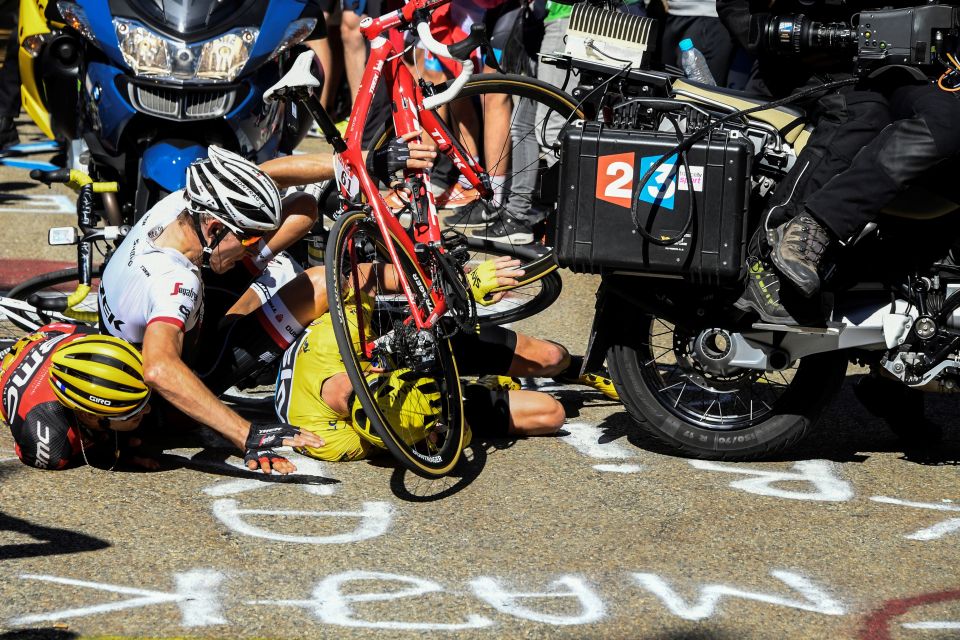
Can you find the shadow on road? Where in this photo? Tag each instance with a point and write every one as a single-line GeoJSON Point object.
{"type": "Point", "coordinates": [40, 634]}
{"type": "Point", "coordinates": [413, 488]}
{"type": "Point", "coordinates": [50, 541]}
{"type": "Point", "coordinates": [846, 432]}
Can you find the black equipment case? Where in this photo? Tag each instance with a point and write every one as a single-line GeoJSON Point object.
{"type": "Point", "coordinates": [599, 171]}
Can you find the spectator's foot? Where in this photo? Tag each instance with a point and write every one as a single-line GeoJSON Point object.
{"type": "Point", "coordinates": [506, 230]}
{"type": "Point", "coordinates": [475, 214]}
{"type": "Point", "coordinates": [8, 132]}
{"type": "Point", "coordinates": [456, 196]}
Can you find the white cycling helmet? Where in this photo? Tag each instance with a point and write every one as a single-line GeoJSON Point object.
{"type": "Point", "coordinates": [234, 191]}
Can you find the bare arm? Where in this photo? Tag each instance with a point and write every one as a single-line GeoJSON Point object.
{"type": "Point", "coordinates": [167, 374]}
{"type": "Point", "coordinates": [294, 170]}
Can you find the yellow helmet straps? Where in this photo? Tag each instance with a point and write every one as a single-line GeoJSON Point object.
{"type": "Point", "coordinates": [102, 375]}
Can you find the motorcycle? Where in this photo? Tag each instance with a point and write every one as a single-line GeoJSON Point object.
{"type": "Point", "coordinates": [142, 88]}
{"type": "Point", "coordinates": [674, 243]}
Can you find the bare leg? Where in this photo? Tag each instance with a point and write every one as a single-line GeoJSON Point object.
{"type": "Point", "coordinates": [534, 413]}
{"type": "Point", "coordinates": [535, 357]}
{"type": "Point", "coordinates": [354, 50]}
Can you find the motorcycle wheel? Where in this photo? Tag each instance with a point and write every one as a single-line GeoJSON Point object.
{"type": "Point", "coordinates": [741, 414]}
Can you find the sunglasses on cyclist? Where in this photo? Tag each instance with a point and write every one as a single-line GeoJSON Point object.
{"type": "Point", "coordinates": [247, 240]}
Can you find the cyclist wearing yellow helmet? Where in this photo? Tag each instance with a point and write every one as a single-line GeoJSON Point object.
{"type": "Point", "coordinates": [65, 389]}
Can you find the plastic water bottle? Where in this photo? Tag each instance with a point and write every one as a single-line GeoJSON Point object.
{"type": "Point", "coordinates": [694, 64]}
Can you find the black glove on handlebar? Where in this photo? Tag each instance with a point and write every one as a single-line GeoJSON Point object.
{"type": "Point", "coordinates": [267, 435]}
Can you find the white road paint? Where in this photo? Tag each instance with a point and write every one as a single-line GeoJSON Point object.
{"type": "Point", "coordinates": [935, 532]}
{"type": "Point", "coordinates": [375, 519]}
{"type": "Point", "coordinates": [339, 599]}
{"type": "Point", "coordinates": [618, 468]}
{"type": "Point", "coordinates": [50, 204]}
{"type": "Point", "coordinates": [197, 595]}
{"type": "Point", "coordinates": [591, 608]}
{"type": "Point", "coordinates": [813, 598]}
{"type": "Point", "coordinates": [331, 606]}
{"type": "Point", "coordinates": [933, 625]}
{"type": "Point", "coordinates": [586, 439]}
{"type": "Point", "coordinates": [818, 474]}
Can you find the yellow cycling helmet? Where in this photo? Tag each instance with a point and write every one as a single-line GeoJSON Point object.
{"type": "Point", "coordinates": [411, 403]}
{"type": "Point", "coordinates": [102, 375]}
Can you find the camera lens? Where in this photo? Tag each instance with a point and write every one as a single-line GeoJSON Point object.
{"type": "Point", "coordinates": [794, 33]}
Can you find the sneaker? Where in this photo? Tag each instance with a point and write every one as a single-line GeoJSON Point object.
{"type": "Point", "coordinates": [506, 230]}
{"type": "Point", "coordinates": [342, 126]}
{"type": "Point", "coordinates": [798, 247]}
{"type": "Point", "coordinates": [315, 131]}
{"type": "Point", "coordinates": [476, 214]}
{"type": "Point", "coordinates": [456, 196]}
{"type": "Point", "coordinates": [500, 383]}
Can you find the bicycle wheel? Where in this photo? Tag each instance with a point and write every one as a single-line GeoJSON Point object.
{"type": "Point", "coordinates": [520, 150]}
{"type": "Point", "coordinates": [538, 289]}
{"type": "Point", "coordinates": [365, 305]}
{"type": "Point", "coordinates": [48, 293]}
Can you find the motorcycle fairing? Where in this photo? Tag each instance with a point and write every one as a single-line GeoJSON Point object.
{"type": "Point", "coordinates": [108, 110]}
{"type": "Point", "coordinates": [165, 163]}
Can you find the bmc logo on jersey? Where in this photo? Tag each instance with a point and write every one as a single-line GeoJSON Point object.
{"type": "Point", "coordinates": [617, 174]}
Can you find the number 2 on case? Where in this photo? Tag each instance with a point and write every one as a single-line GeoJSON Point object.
{"type": "Point", "coordinates": [615, 175]}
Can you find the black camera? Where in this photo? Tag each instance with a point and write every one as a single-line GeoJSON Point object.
{"type": "Point", "coordinates": [912, 36]}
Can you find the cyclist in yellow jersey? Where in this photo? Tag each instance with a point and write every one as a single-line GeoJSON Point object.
{"type": "Point", "coordinates": [314, 392]}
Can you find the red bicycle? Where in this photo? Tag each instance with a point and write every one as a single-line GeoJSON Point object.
{"type": "Point", "coordinates": [397, 281]}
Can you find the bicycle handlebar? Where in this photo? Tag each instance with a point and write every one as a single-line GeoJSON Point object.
{"type": "Point", "coordinates": [74, 179]}
{"type": "Point", "coordinates": [453, 51]}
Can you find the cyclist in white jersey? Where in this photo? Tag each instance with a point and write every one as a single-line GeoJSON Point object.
{"type": "Point", "coordinates": [151, 294]}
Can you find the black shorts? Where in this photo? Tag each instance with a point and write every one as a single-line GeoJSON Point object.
{"type": "Point", "coordinates": [487, 411]}
{"type": "Point", "coordinates": [488, 353]}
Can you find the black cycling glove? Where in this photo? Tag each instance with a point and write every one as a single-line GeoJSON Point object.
{"type": "Point", "coordinates": [265, 435]}
{"type": "Point", "coordinates": [385, 162]}
{"type": "Point", "coordinates": [259, 456]}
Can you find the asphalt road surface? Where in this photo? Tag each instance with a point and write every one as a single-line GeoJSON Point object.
{"type": "Point", "coordinates": [585, 535]}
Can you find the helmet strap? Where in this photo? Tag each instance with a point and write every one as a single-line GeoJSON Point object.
{"type": "Point", "coordinates": [206, 249]}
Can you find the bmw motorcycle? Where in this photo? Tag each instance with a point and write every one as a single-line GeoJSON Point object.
{"type": "Point", "coordinates": [143, 87]}
{"type": "Point", "coordinates": [665, 195]}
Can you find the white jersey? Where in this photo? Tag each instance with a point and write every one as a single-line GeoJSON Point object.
{"type": "Point", "coordinates": [144, 283]}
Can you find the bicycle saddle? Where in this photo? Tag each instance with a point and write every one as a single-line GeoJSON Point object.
{"type": "Point", "coordinates": [302, 77]}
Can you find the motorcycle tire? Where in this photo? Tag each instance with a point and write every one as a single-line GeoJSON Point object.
{"type": "Point", "coordinates": [675, 423]}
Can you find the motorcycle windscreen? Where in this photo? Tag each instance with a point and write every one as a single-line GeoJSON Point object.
{"type": "Point", "coordinates": [191, 16]}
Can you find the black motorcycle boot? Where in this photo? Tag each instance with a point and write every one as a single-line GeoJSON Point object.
{"type": "Point", "coordinates": [762, 295]}
{"type": "Point", "coordinates": [8, 132]}
{"type": "Point", "coordinates": [797, 250]}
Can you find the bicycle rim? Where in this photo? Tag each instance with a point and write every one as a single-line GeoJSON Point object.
{"type": "Point", "coordinates": [356, 258]}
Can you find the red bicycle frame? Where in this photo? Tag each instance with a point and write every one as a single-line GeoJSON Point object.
{"type": "Point", "coordinates": [409, 114]}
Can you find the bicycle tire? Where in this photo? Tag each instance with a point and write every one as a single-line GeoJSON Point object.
{"type": "Point", "coordinates": [539, 287]}
{"type": "Point", "coordinates": [516, 86]}
{"type": "Point", "coordinates": [356, 254]}
{"type": "Point", "coordinates": [49, 285]}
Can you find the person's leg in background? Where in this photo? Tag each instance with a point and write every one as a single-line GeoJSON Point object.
{"type": "Point", "coordinates": [10, 89]}
{"type": "Point", "coordinates": [354, 45]}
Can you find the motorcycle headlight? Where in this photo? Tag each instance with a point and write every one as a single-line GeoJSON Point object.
{"type": "Point", "coordinates": [76, 18]}
{"type": "Point", "coordinates": [224, 57]}
{"type": "Point", "coordinates": [145, 52]}
{"type": "Point", "coordinates": [154, 56]}
{"type": "Point", "coordinates": [296, 33]}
